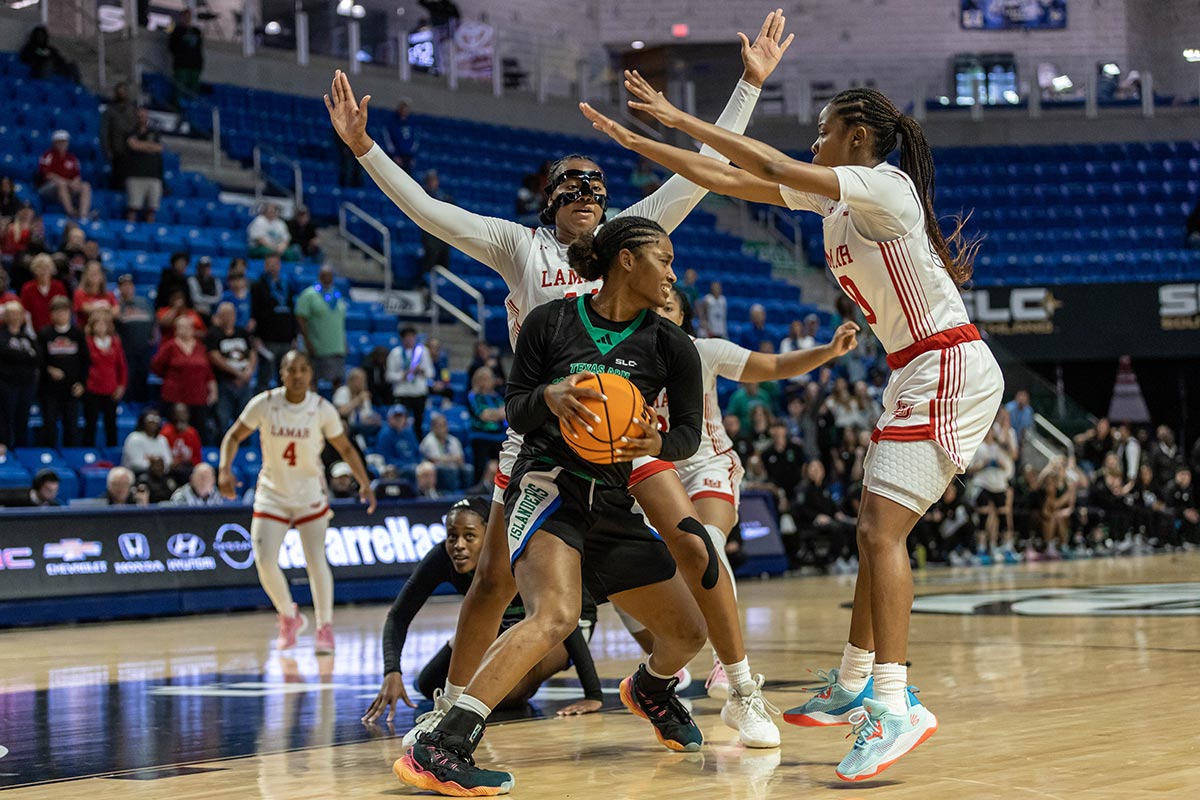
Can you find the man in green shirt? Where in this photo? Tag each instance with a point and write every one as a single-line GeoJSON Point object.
{"type": "Point", "coordinates": [321, 314]}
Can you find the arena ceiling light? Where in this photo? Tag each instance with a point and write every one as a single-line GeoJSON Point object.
{"type": "Point", "coordinates": [637, 45]}
{"type": "Point", "coordinates": [16, 5]}
{"type": "Point", "coordinates": [273, 28]}
{"type": "Point", "coordinates": [1192, 54]}
{"type": "Point", "coordinates": [1062, 83]}
{"type": "Point", "coordinates": [349, 8]}
{"type": "Point", "coordinates": [1111, 70]}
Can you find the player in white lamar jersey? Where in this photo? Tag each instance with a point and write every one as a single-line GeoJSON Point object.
{"type": "Point", "coordinates": [294, 424]}
{"type": "Point", "coordinates": [533, 264]}
{"type": "Point", "coordinates": [884, 247]}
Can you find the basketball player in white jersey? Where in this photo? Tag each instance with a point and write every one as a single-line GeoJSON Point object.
{"type": "Point", "coordinates": [884, 247]}
{"type": "Point", "coordinates": [294, 424]}
{"type": "Point", "coordinates": [533, 264]}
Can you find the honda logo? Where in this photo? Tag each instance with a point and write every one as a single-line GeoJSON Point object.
{"type": "Point", "coordinates": [185, 545]}
{"type": "Point", "coordinates": [134, 546]}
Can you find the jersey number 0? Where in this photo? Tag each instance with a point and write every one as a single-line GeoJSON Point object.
{"type": "Point", "coordinates": [856, 296]}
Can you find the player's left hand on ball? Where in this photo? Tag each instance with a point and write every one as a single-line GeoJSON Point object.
{"type": "Point", "coordinates": [845, 338]}
{"type": "Point", "coordinates": [580, 707]}
{"type": "Point", "coordinates": [649, 444]}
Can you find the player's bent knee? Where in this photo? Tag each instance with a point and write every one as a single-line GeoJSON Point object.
{"type": "Point", "coordinates": [554, 622]}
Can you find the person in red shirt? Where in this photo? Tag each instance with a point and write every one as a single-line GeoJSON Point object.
{"type": "Point", "coordinates": [21, 236]}
{"type": "Point", "coordinates": [37, 293]}
{"type": "Point", "coordinates": [176, 309]}
{"type": "Point", "coordinates": [59, 180]}
{"type": "Point", "coordinates": [182, 362]}
{"type": "Point", "coordinates": [108, 375]}
{"type": "Point", "coordinates": [93, 293]}
{"type": "Point", "coordinates": [184, 440]}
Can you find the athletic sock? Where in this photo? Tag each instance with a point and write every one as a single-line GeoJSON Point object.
{"type": "Point", "coordinates": [464, 723]}
{"type": "Point", "coordinates": [739, 675]}
{"type": "Point", "coordinates": [651, 681]}
{"type": "Point", "coordinates": [856, 668]}
{"type": "Point", "coordinates": [891, 681]}
{"type": "Point", "coordinates": [474, 704]}
{"type": "Point", "coordinates": [452, 692]}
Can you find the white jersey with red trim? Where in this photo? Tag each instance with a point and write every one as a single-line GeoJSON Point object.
{"type": "Point", "coordinates": [718, 358]}
{"type": "Point", "coordinates": [946, 384]}
{"type": "Point", "coordinates": [292, 436]}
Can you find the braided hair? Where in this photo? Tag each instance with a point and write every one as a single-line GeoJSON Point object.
{"type": "Point", "coordinates": [593, 254]}
{"type": "Point", "coordinates": [875, 112]}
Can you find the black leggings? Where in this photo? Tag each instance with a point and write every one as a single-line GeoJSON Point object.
{"type": "Point", "coordinates": [94, 405]}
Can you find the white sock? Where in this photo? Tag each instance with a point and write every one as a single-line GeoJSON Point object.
{"type": "Point", "coordinates": [739, 675]}
{"type": "Point", "coordinates": [658, 675]}
{"type": "Point", "coordinates": [452, 692]}
{"type": "Point", "coordinates": [890, 683]}
{"type": "Point", "coordinates": [718, 539]}
{"type": "Point", "coordinates": [856, 668]}
{"type": "Point", "coordinates": [468, 703]}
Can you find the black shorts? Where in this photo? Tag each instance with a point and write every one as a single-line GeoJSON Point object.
{"type": "Point", "coordinates": [986, 498]}
{"type": "Point", "coordinates": [618, 550]}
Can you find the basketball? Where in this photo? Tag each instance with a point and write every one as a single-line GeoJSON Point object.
{"type": "Point", "coordinates": [617, 414]}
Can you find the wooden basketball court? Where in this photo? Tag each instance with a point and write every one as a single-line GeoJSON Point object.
{"type": "Point", "coordinates": [1063, 680]}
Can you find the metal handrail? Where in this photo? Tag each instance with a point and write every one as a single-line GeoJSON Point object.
{"type": "Point", "coordinates": [384, 258]}
{"type": "Point", "coordinates": [261, 178]}
{"type": "Point", "coordinates": [436, 301]}
{"type": "Point", "coordinates": [1054, 433]}
{"type": "Point", "coordinates": [187, 93]}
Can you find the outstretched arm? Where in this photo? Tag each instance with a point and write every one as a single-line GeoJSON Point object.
{"type": "Point", "coordinates": [767, 367]}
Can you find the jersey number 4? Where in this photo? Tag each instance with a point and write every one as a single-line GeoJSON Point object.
{"type": "Point", "coordinates": [289, 454]}
{"type": "Point", "coordinates": [856, 296]}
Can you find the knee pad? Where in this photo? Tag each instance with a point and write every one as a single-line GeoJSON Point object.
{"type": "Point", "coordinates": [712, 570]}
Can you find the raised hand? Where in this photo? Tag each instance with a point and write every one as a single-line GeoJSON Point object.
{"type": "Point", "coordinates": [349, 117]}
{"type": "Point", "coordinates": [614, 130]}
{"type": "Point", "coordinates": [761, 57]}
{"type": "Point", "coordinates": [648, 100]}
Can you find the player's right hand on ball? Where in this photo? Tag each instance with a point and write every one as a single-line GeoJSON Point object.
{"type": "Point", "coordinates": [227, 484]}
{"type": "Point", "coordinates": [563, 399]}
{"type": "Point", "coordinates": [391, 691]}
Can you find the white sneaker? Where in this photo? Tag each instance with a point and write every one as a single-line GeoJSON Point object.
{"type": "Point", "coordinates": [750, 715]}
{"type": "Point", "coordinates": [429, 720]}
{"type": "Point", "coordinates": [717, 684]}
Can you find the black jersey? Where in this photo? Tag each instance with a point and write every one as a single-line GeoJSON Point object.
{"type": "Point", "coordinates": [564, 337]}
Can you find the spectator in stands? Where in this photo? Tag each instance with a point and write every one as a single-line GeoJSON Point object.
{"type": "Point", "coordinates": [93, 294]}
{"type": "Point", "coordinates": [6, 294]}
{"type": "Point", "coordinates": [644, 179]}
{"type": "Point", "coordinates": [64, 355]}
{"type": "Point", "coordinates": [353, 402]}
{"type": "Point", "coordinates": [107, 378]}
{"type": "Point", "coordinates": [440, 384]}
{"type": "Point", "coordinates": [44, 492]}
{"type": "Point", "coordinates": [43, 58]}
{"type": "Point", "coordinates": [1164, 456]}
{"type": "Point", "coordinates": [846, 458]}
{"type": "Point", "coordinates": [182, 362]}
{"type": "Point", "coordinates": [1180, 499]}
{"type": "Point", "coordinates": [156, 483]}
{"type": "Point", "coordinates": [175, 310]}
{"type": "Point", "coordinates": [1006, 437]}
{"type": "Point", "coordinates": [173, 278]}
{"type": "Point", "coordinates": [946, 529]}
{"type": "Point", "coordinates": [753, 336]}
{"type": "Point", "coordinates": [844, 408]}
{"type": "Point", "coordinates": [487, 356]}
{"type": "Point", "coordinates": [268, 235]}
{"type": "Point", "coordinates": [434, 252]}
{"type": "Point", "coordinates": [139, 334]}
{"type": "Point", "coordinates": [397, 442]}
{"type": "Point", "coordinates": [9, 202]}
{"type": "Point", "coordinates": [427, 485]}
{"type": "Point", "coordinates": [1094, 444]}
{"type": "Point", "coordinates": [819, 519]}
{"type": "Point", "coordinates": [204, 288]}
{"type": "Point", "coordinates": [231, 353]}
{"type": "Point", "coordinates": [200, 489]}
{"type": "Point", "coordinates": [375, 365]}
{"type": "Point", "coordinates": [186, 448]}
{"type": "Point", "coordinates": [992, 472]}
{"type": "Point", "coordinates": [743, 402]}
{"type": "Point", "coordinates": [714, 312]}
{"type": "Point", "coordinates": [304, 233]}
{"type": "Point", "coordinates": [119, 489]}
{"type": "Point", "coordinates": [321, 317]}
{"type": "Point", "coordinates": [59, 181]}
{"type": "Point", "coordinates": [143, 168]}
{"type": "Point", "coordinates": [272, 303]}
{"type": "Point", "coordinates": [1020, 414]}
{"type": "Point", "coordinates": [1129, 451]}
{"type": "Point", "coordinates": [400, 137]}
{"type": "Point", "coordinates": [486, 485]}
{"type": "Point", "coordinates": [1058, 504]}
{"type": "Point", "coordinates": [529, 201]}
{"type": "Point", "coordinates": [186, 45]}
{"type": "Point", "coordinates": [20, 240]}
{"type": "Point", "coordinates": [238, 293]}
{"type": "Point", "coordinates": [19, 362]}
{"type": "Point", "coordinates": [783, 460]}
{"type": "Point", "coordinates": [38, 293]}
{"type": "Point", "coordinates": [72, 256]}
{"type": "Point", "coordinates": [409, 370]}
{"type": "Point", "coordinates": [1192, 229]}
{"type": "Point", "coordinates": [488, 426]}
{"type": "Point", "coordinates": [733, 429]}
{"type": "Point", "coordinates": [440, 446]}
{"type": "Point", "coordinates": [758, 433]}
{"type": "Point", "coordinates": [117, 124]}
{"type": "Point", "coordinates": [341, 482]}
{"type": "Point", "coordinates": [145, 444]}
{"type": "Point", "coordinates": [801, 335]}
{"type": "Point", "coordinates": [688, 288]}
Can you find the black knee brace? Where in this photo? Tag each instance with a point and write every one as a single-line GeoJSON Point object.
{"type": "Point", "coordinates": [712, 571]}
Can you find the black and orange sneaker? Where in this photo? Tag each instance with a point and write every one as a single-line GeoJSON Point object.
{"type": "Point", "coordinates": [672, 723]}
{"type": "Point", "coordinates": [442, 763]}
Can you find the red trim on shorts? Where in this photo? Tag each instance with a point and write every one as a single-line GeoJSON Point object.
{"type": "Point", "coordinates": [501, 480]}
{"type": "Point", "coordinates": [311, 517]}
{"type": "Point", "coordinates": [728, 498]}
{"type": "Point", "coordinates": [265, 515]}
{"type": "Point", "coordinates": [648, 470]}
{"type": "Point", "coordinates": [898, 433]}
{"type": "Point", "coordinates": [942, 340]}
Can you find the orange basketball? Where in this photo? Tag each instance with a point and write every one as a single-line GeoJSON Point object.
{"type": "Point", "coordinates": [617, 414]}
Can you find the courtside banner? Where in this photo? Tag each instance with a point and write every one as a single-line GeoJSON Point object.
{"type": "Point", "coordinates": [1038, 323]}
{"type": "Point", "coordinates": [57, 553]}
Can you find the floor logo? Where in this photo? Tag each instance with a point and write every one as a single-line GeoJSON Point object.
{"type": "Point", "coordinates": [1132, 600]}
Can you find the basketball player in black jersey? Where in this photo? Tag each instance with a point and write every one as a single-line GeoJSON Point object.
{"type": "Point", "coordinates": [569, 520]}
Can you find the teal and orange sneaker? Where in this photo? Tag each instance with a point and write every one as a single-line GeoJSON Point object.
{"type": "Point", "coordinates": [442, 763]}
{"type": "Point", "coordinates": [882, 736]}
{"type": "Point", "coordinates": [832, 705]}
{"type": "Point", "coordinates": [672, 723]}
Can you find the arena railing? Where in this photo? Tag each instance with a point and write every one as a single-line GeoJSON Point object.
{"type": "Point", "coordinates": [383, 256]}
{"type": "Point", "coordinates": [263, 178]}
{"type": "Point", "coordinates": [438, 303]}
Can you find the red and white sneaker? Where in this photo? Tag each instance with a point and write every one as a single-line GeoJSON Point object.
{"type": "Point", "coordinates": [717, 684]}
{"type": "Point", "coordinates": [289, 629]}
{"type": "Point", "coordinates": [324, 644]}
{"type": "Point", "coordinates": [685, 679]}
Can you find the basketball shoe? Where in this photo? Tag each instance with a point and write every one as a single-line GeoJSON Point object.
{"type": "Point", "coordinates": [685, 679]}
{"type": "Point", "coordinates": [717, 684]}
{"type": "Point", "coordinates": [289, 629]}
{"type": "Point", "coordinates": [672, 723]}
{"type": "Point", "coordinates": [324, 644]}
{"type": "Point", "coordinates": [443, 763]}
{"type": "Point", "coordinates": [429, 720]}
{"type": "Point", "coordinates": [832, 705]}
{"type": "Point", "coordinates": [750, 715]}
{"type": "Point", "coordinates": [882, 736]}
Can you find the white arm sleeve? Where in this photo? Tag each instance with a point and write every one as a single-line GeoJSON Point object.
{"type": "Point", "coordinates": [252, 415]}
{"type": "Point", "coordinates": [883, 202]}
{"type": "Point", "coordinates": [676, 198]}
{"type": "Point", "coordinates": [500, 244]}
{"type": "Point", "coordinates": [722, 357]}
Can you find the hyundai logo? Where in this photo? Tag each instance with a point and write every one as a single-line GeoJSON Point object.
{"type": "Point", "coordinates": [185, 545]}
{"type": "Point", "coordinates": [232, 543]}
{"type": "Point", "coordinates": [134, 546]}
